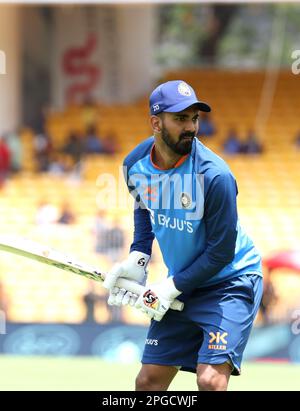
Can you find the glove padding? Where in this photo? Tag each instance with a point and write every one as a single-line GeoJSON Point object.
{"type": "Point", "coordinates": [157, 298]}
{"type": "Point", "coordinates": [120, 296]}
{"type": "Point", "coordinates": [133, 268]}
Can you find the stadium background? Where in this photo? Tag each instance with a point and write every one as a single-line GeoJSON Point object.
{"type": "Point", "coordinates": [69, 67]}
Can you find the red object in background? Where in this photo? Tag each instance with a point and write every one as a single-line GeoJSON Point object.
{"type": "Point", "coordinates": [4, 157]}
{"type": "Point", "coordinates": [75, 63]}
{"type": "Point", "coordinates": [4, 162]}
{"type": "Point", "coordinates": [284, 259]}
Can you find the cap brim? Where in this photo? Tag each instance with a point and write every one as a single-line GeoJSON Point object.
{"type": "Point", "coordinates": [184, 105]}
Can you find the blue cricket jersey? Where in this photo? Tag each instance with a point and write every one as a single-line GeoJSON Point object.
{"type": "Point", "coordinates": [191, 211]}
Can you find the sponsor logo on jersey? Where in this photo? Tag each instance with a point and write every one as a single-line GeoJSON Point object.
{"type": "Point", "coordinates": [174, 223]}
{"type": "Point", "coordinates": [217, 341]}
{"type": "Point", "coordinates": [150, 341]}
{"type": "Point", "coordinates": [150, 193]}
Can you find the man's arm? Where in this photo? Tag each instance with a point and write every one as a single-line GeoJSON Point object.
{"type": "Point", "coordinates": [143, 234]}
{"type": "Point", "coordinates": [135, 266]}
{"type": "Point", "coordinates": [220, 217]}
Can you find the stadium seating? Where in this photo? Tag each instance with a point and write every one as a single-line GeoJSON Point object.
{"type": "Point", "coordinates": [269, 195]}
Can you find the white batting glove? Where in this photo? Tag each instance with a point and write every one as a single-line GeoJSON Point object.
{"type": "Point", "coordinates": [133, 268]}
{"type": "Point", "coordinates": [157, 298]}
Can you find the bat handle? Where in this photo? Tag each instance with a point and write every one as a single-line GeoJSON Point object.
{"type": "Point", "coordinates": [138, 289]}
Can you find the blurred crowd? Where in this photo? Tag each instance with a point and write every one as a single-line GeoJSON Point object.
{"type": "Point", "coordinates": [74, 150]}
{"type": "Point", "coordinates": [47, 157]}
{"type": "Point", "coordinates": [70, 155]}
{"type": "Point", "coordinates": [50, 160]}
{"type": "Point", "coordinates": [233, 142]}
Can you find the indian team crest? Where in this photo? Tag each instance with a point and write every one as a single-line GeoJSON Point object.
{"type": "Point", "coordinates": [185, 200]}
{"type": "Point", "coordinates": [184, 89]}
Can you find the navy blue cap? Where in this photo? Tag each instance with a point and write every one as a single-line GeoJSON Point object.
{"type": "Point", "coordinates": [174, 96]}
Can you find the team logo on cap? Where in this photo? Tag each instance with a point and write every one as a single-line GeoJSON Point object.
{"type": "Point", "coordinates": [184, 89]}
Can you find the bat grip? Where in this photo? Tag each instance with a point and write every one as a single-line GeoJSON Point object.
{"type": "Point", "coordinates": [138, 289]}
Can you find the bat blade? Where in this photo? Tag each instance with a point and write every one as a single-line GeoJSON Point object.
{"type": "Point", "coordinates": [46, 255]}
{"type": "Point", "coordinates": [49, 256]}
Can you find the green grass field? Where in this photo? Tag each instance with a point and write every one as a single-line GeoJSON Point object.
{"type": "Point", "coordinates": [86, 373]}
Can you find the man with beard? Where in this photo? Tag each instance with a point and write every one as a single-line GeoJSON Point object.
{"type": "Point", "coordinates": [185, 197]}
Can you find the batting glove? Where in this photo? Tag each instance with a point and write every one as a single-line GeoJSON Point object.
{"type": "Point", "coordinates": [133, 268]}
{"type": "Point", "coordinates": [157, 298]}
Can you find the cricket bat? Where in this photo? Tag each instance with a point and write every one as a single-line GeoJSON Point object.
{"type": "Point", "coordinates": [47, 255]}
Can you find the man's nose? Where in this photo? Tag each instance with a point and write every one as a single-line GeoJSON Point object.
{"type": "Point", "coordinates": [190, 126]}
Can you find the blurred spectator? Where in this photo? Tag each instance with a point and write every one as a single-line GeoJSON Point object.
{"type": "Point", "coordinates": [110, 144]}
{"type": "Point", "coordinates": [232, 144]}
{"type": "Point", "coordinates": [252, 145]}
{"type": "Point", "coordinates": [5, 159]}
{"type": "Point", "coordinates": [46, 214]}
{"type": "Point", "coordinates": [110, 238]}
{"type": "Point", "coordinates": [42, 150]}
{"type": "Point", "coordinates": [89, 300]}
{"type": "Point", "coordinates": [206, 126]}
{"type": "Point", "coordinates": [297, 141]}
{"type": "Point", "coordinates": [99, 229]}
{"type": "Point", "coordinates": [14, 143]}
{"type": "Point", "coordinates": [67, 216]}
{"type": "Point", "coordinates": [41, 117]}
{"type": "Point", "coordinates": [74, 147]}
{"type": "Point", "coordinates": [93, 143]}
{"type": "Point", "coordinates": [115, 240]}
{"type": "Point", "coordinates": [58, 164]}
{"type": "Point", "coordinates": [90, 112]}
{"type": "Point", "coordinates": [269, 299]}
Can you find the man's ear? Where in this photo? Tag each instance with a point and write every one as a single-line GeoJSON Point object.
{"type": "Point", "coordinates": [156, 123]}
